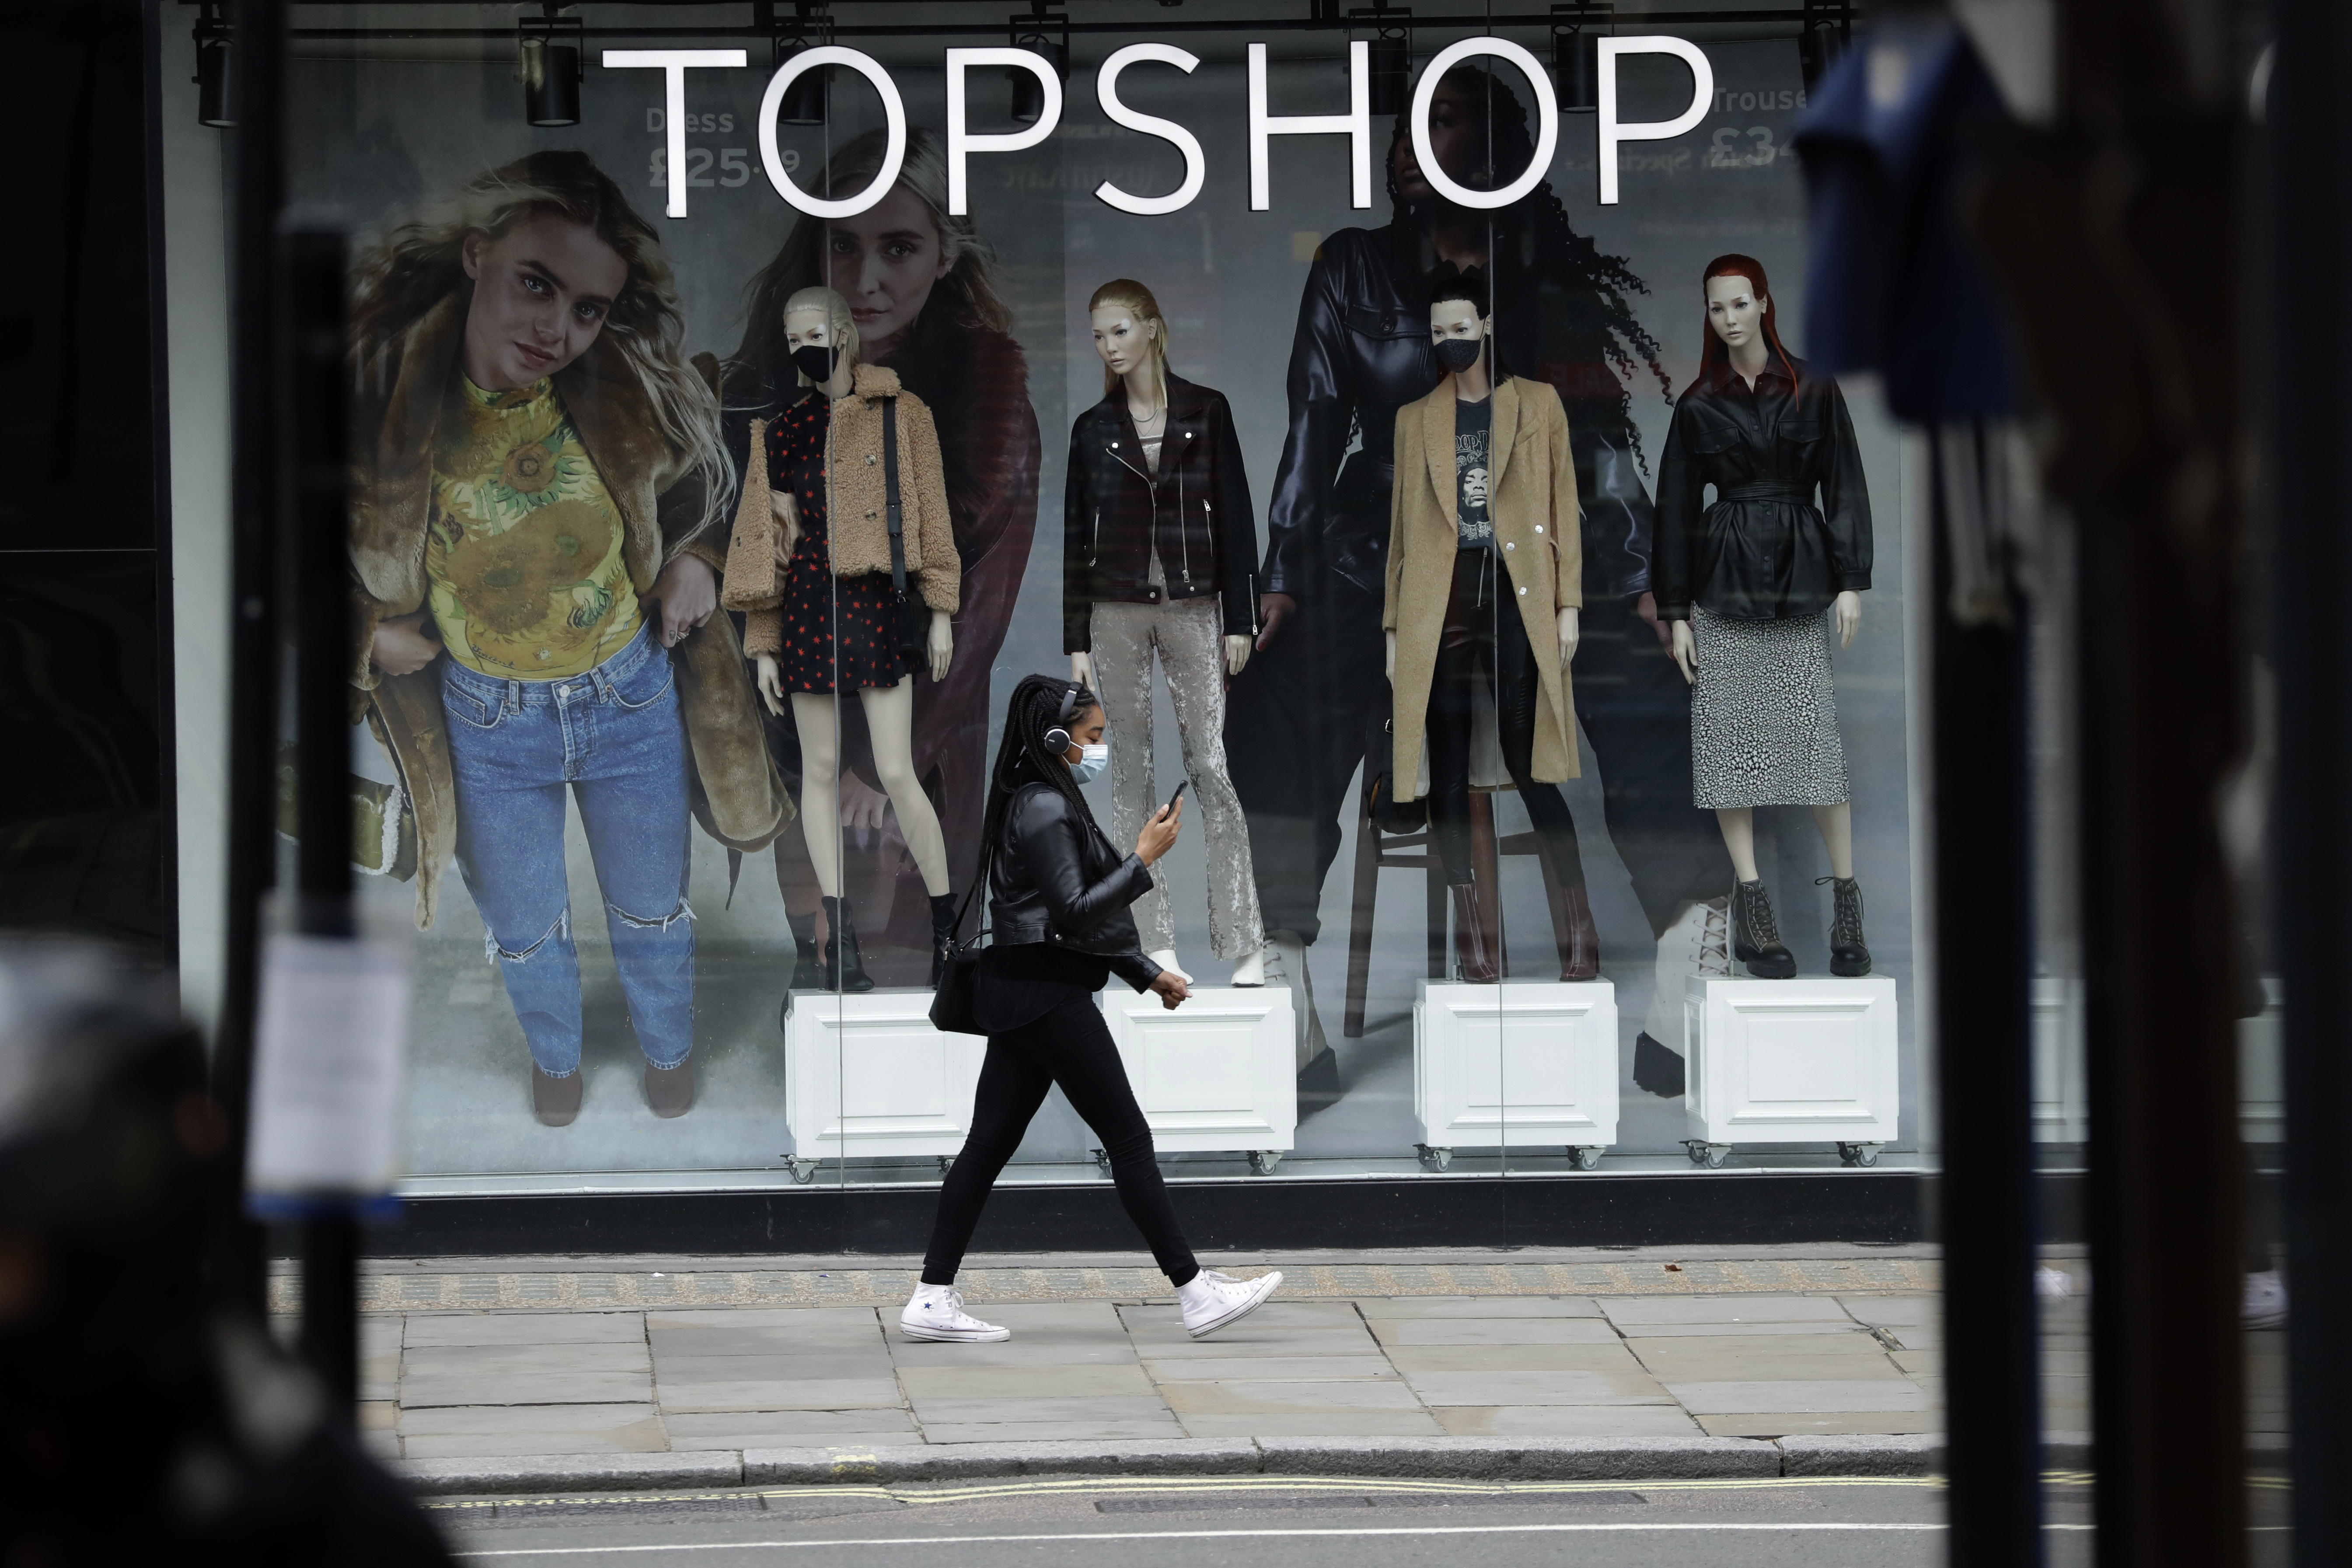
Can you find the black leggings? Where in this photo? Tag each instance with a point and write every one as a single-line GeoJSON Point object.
{"type": "Point", "coordinates": [1068, 1045]}
{"type": "Point", "coordinates": [1483, 629]}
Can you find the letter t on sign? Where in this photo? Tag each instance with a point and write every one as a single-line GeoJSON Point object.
{"type": "Point", "coordinates": [673, 64]}
{"type": "Point", "coordinates": [1357, 124]}
{"type": "Point", "coordinates": [1612, 133]}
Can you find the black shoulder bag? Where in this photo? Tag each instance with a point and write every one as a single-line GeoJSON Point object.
{"type": "Point", "coordinates": [914, 625]}
{"type": "Point", "coordinates": [951, 1004]}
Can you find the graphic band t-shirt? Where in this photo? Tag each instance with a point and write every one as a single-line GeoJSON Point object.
{"type": "Point", "coordinates": [1474, 527]}
{"type": "Point", "coordinates": [523, 550]}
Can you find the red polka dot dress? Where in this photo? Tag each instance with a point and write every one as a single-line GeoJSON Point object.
{"type": "Point", "coordinates": [835, 629]}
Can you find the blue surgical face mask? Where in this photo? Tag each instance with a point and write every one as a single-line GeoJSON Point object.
{"type": "Point", "coordinates": [1092, 760]}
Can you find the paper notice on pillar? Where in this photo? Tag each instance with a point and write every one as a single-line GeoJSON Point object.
{"type": "Point", "coordinates": [329, 1060]}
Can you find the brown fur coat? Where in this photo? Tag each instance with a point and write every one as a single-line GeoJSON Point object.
{"type": "Point", "coordinates": [857, 526]}
{"type": "Point", "coordinates": [1531, 490]}
{"type": "Point", "coordinates": [737, 794]}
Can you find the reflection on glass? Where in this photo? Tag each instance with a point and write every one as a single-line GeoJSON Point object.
{"type": "Point", "coordinates": [533, 544]}
{"type": "Point", "coordinates": [924, 309]}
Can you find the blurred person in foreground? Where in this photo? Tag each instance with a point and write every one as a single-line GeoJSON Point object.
{"type": "Point", "coordinates": [136, 1425]}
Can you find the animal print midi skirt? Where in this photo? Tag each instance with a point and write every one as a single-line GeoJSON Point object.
{"type": "Point", "coordinates": [1764, 728]}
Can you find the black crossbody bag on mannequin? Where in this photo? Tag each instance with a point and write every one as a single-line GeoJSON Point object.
{"type": "Point", "coordinates": [914, 625]}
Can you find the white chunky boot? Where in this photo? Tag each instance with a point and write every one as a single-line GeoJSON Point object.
{"type": "Point", "coordinates": [1251, 970]}
{"type": "Point", "coordinates": [936, 1312]}
{"type": "Point", "coordinates": [1166, 958]}
{"type": "Point", "coordinates": [1212, 1301]}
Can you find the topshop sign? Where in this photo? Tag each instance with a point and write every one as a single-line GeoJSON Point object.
{"type": "Point", "coordinates": [1356, 124]}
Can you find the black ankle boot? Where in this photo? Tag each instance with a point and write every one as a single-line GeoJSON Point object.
{"type": "Point", "coordinates": [943, 933]}
{"type": "Point", "coordinates": [843, 968]}
{"type": "Point", "coordinates": [1756, 937]}
{"type": "Point", "coordinates": [1849, 954]}
{"type": "Point", "coordinates": [808, 966]}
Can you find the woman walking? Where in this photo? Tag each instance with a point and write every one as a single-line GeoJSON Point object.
{"type": "Point", "coordinates": [1059, 898]}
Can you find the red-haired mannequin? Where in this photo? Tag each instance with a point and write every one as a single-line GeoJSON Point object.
{"type": "Point", "coordinates": [1775, 558]}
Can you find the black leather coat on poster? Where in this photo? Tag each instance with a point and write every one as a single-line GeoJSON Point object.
{"type": "Point", "coordinates": [1362, 352]}
{"type": "Point", "coordinates": [1196, 510]}
{"type": "Point", "coordinates": [1764, 550]}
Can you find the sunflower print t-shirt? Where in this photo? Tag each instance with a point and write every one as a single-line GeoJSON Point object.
{"type": "Point", "coordinates": [524, 549]}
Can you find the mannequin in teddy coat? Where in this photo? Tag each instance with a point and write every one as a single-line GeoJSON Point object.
{"type": "Point", "coordinates": [1485, 586]}
{"type": "Point", "coordinates": [1158, 538]}
{"type": "Point", "coordinates": [829, 625]}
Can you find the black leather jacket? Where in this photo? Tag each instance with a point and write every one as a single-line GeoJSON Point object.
{"type": "Point", "coordinates": [1361, 352]}
{"type": "Point", "coordinates": [1056, 879]}
{"type": "Point", "coordinates": [1763, 552]}
{"type": "Point", "coordinates": [1197, 508]}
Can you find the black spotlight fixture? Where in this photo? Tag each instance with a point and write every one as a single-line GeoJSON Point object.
{"type": "Point", "coordinates": [811, 26]}
{"type": "Point", "coordinates": [549, 53]}
{"type": "Point", "coordinates": [211, 34]}
{"type": "Point", "coordinates": [1036, 32]}
{"type": "Point", "coordinates": [1823, 33]}
{"type": "Point", "coordinates": [1576, 33]}
{"type": "Point", "coordinates": [1389, 54]}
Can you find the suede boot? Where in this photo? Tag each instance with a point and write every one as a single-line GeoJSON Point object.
{"type": "Point", "coordinates": [843, 968]}
{"type": "Point", "coordinates": [1470, 953]}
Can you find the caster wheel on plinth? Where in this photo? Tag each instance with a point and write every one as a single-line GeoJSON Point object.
{"type": "Point", "coordinates": [804, 1171]}
{"type": "Point", "coordinates": [1584, 1156]}
{"type": "Point", "coordinates": [1434, 1159]}
{"type": "Point", "coordinates": [1858, 1155]}
{"type": "Point", "coordinates": [1102, 1162]}
{"type": "Point", "coordinates": [1263, 1160]}
{"type": "Point", "coordinates": [947, 1163]}
{"type": "Point", "coordinates": [1709, 1155]}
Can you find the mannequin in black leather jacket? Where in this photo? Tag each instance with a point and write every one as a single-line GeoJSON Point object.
{"type": "Point", "coordinates": [1296, 717]}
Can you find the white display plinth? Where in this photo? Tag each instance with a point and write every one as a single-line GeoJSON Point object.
{"type": "Point", "coordinates": [1790, 1061]}
{"type": "Point", "coordinates": [867, 1077]}
{"type": "Point", "coordinates": [2060, 1076]}
{"type": "Point", "coordinates": [1514, 1065]}
{"type": "Point", "coordinates": [1217, 1074]}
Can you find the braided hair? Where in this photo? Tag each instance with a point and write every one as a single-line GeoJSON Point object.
{"type": "Point", "coordinates": [1534, 232]}
{"type": "Point", "coordinates": [1024, 758]}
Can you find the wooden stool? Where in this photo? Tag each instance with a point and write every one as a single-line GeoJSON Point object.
{"type": "Point", "coordinates": [1418, 851]}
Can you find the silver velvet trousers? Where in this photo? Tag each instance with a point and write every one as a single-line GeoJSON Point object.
{"type": "Point", "coordinates": [1189, 636]}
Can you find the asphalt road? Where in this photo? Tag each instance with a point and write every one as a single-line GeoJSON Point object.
{"type": "Point", "coordinates": [1192, 1522]}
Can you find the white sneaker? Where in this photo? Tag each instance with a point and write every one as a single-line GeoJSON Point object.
{"type": "Point", "coordinates": [936, 1312]}
{"type": "Point", "coordinates": [2263, 1306]}
{"type": "Point", "coordinates": [1212, 1301]}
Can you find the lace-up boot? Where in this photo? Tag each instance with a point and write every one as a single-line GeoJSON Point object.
{"type": "Point", "coordinates": [1756, 936]}
{"type": "Point", "coordinates": [1849, 954]}
{"type": "Point", "coordinates": [844, 967]}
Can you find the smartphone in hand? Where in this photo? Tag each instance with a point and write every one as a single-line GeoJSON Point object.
{"type": "Point", "coordinates": [1181, 787]}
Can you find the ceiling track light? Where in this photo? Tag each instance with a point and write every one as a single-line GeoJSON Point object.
{"type": "Point", "coordinates": [1821, 36]}
{"type": "Point", "coordinates": [551, 61]}
{"type": "Point", "coordinates": [810, 27]}
{"type": "Point", "coordinates": [1577, 29]}
{"type": "Point", "coordinates": [1037, 33]}
{"type": "Point", "coordinates": [1389, 56]}
{"type": "Point", "coordinates": [213, 35]}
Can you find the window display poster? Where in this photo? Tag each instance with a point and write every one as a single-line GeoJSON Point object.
{"type": "Point", "coordinates": [700, 538]}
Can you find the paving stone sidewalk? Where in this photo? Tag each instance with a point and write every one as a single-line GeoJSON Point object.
{"type": "Point", "coordinates": [475, 1365]}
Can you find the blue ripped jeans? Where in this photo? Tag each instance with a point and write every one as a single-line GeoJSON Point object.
{"type": "Point", "coordinates": [615, 737]}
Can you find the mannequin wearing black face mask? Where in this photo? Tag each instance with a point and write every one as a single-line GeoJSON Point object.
{"type": "Point", "coordinates": [1483, 606]}
{"type": "Point", "coordinates": [810, 563]}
